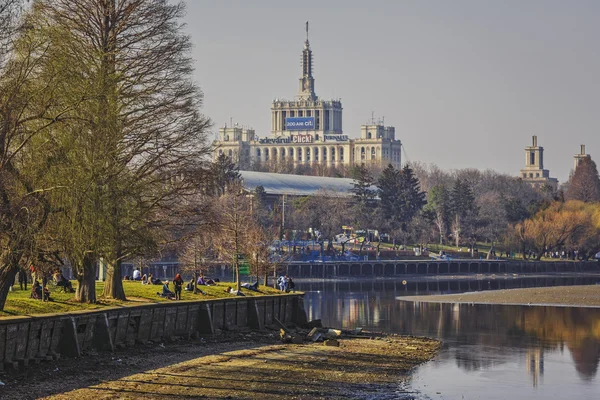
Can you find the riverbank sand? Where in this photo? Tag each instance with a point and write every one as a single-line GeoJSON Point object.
{"type": "Point", "coordinates": [250, 365]}
{"type": "Point", "coordinates": [579, 296]}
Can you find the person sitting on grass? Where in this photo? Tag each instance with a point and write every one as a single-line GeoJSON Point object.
{"type": "Point", "coordinates": [62, 281]}
{"type": "Point", "coordinates": [166, 292]}
{"type": "Point", "coordinates": [190, 286]}
{"type": "Point", "coordinates": [36, 291]}
{"type": "Point", "coordinates": [144, 279]}
{"type": "Point", "coordinates": [46, 294]}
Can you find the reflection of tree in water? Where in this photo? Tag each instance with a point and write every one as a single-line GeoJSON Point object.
{"type": "Point", "coordinates": [528, 328]}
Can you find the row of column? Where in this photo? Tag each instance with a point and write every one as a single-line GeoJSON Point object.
{"type": "Point", "coordinates": [299, 154]}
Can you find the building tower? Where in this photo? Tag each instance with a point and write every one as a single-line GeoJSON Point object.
{"type": "Point", "coordinates": [578, 158]}
{"type": "Point", "coordinates": [307, 82]}
{"type": "Point", "coordinates": [307, 115]}
{"type": "Point", "coordinates": [534, 172]}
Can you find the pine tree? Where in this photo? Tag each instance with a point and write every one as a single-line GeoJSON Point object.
{"type": "Point", "coordinates": [584, 184]}
{"type": "Point", "coordinates": [462, 204]}
{"type": "Point", "coordinates": [412, 199]}
{"type": "Point", "coordinates": [224, 173]}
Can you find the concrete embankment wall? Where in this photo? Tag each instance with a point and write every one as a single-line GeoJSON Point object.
{"type": "Point", "coordinates": [25, 340]}
{"type": "Point", "coordinates": [391, 268]}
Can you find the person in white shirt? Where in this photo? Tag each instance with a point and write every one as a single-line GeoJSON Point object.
{"type": "Point", "coordinates": [137, 274]}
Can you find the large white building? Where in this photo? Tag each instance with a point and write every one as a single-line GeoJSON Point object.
{"type": "Point", "coordinates": [308, 130]}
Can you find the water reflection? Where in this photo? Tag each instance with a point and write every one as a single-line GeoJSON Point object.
{"type": "Point", "coordinates": [488, 348]}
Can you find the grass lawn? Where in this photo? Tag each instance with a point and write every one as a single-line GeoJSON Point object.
{"type": "Point", "coordinates": [19, 303]}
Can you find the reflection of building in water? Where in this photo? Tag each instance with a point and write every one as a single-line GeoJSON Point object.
{"type": "Point", "coordinates": [534, 359]}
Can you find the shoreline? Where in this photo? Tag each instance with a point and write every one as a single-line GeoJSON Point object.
{"type": "Point", "coordinates": [556, 296]}
{"type": "Point", "coordinates": [249, 365]}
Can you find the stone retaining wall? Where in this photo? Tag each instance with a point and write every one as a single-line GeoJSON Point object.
{"type": "Point", "coordinates": [25, 340]}
{"type": "Point", "coordinates": [333, 269]}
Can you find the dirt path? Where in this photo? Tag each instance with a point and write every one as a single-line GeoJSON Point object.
{"type": "Point", "coordinates": [238, 366]}
{"type": "Point", "coordinates": [581, 296]}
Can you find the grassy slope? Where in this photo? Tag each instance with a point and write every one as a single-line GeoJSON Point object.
{"type": "Point", "coordinates": [19, 303]}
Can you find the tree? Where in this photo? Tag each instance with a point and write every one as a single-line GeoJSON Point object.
{"type": "Point", "coordinates": [225, 173]}
{"type": "Point", "coordinates": [234, 216]}
{"type": "Point", "coordinates": [28, 108]}
{"type": "Point", "coordinates": [135, 135]}
{"type": "Point", "coordinates": [412, 199]}
{"type": "Point", "coordinates": [364, 198]}
{"type": "Point", "coordinates": [584, 183]}
{"type": "Point", "coordinates": [462, 205]}
{"type": "Point", "coordinates": [438, 205]}
{"type": "Point", "coordinates": [492, 219]}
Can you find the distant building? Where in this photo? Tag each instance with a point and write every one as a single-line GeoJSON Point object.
{"type": "Point", "coordinates": [534, 172]}
{"type": "Point", "coordinates": [308, 131]}
{"type": "Point", "coordinates": [578, 158]}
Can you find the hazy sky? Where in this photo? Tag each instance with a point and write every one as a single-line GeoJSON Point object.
{"type": "Point", "coordinates": [465, 83]}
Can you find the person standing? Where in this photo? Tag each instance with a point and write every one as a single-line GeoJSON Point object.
{"type": "Point", "coordinates": [178, 286]}
{"type": "Point", "coordinates": [22, 279]}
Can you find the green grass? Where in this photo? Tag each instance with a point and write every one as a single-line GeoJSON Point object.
{"type": "Point", "coordinates": [19, 303]}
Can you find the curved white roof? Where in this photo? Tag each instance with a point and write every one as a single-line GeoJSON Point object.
{"type": "Point", "coordinates": [295, 185]}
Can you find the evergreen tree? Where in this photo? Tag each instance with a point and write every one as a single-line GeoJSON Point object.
{"type": "Point", "coordinates": [363, 192]}
{"type": "Point", "coordinates": [412, 199]}
{"type": "Point", "coordinates": [224, 173]}
{"type": "Point", "coordinates": [388, 192]}
{"type": "Point", "coordinates": [462, 205]}
{"type": "Point", "coordinates": [584, 184]}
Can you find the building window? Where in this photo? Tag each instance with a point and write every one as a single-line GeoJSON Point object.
{"type": "Point", "coordinates": [341, 152]}
{"type": "Point", "coordinates": [299, 154]}
{"type": "Point", "coordinates": [316, 154]}
{"type": "Point", "coordinates": [291, 153]}
{"type": "Point", "coordinates": [325, 154]}
{"type": "Point", "coordinates": [368, 135]}
{"type": "Point", "coordinates": [531, 175]}
{"type": "Point", "coordinates": [537, 174]}
{"type": "Point", "coordinates": [532, 158]}
{"type": "Point", "coordinates": [220, 152]}
{"type": "Point", "coordinates": [282, 154]}
{"type": "Point", "coordinates": [362, 153]}
{"type": "Point", "coordinates": [230, 153]}
{"type": "Point", "coordinates": [307, 154]}
{"type": "Point", "coordinates": [372, 153]}
{"type": "Point", "coordinates": [317, 119]}
{"type": "Point", "coordinates": [258, 153]}
{"type": "Point", "coordinates": [332, 154]}
{"type": "Point", "coordinates": [524, 175]}
{"type": "Point", "coordinates": [267, 154]}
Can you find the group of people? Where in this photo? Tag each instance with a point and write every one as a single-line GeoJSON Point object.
{"type": "Point", "coordinates": [178, 282]}
{"type": "Point", "coordinates": [286, 284]}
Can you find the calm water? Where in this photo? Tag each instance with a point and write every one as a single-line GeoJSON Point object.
{"type": "Point", "coordinates": [490, 351]}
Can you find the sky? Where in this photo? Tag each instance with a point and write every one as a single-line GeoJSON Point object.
{"type": "Point", "coordinates": [466, 83]}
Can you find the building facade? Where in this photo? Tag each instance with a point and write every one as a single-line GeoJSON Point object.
{"type": "Point", "coordinates": [309, 131]}
{"type": "Point", "coordinates": [578, 158]}
{"type": "Point", "coordinates": [534, 172]}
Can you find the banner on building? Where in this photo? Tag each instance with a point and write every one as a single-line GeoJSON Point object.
{"type": "Point", "coordinates": [300, 123]}
{"type": "Point", "coordinates": [302, 139]}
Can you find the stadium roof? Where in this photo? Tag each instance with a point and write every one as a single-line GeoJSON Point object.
{"type": "Point", "coordinates": [295, 185]}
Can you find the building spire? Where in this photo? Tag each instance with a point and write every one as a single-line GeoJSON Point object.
{"type": "Point", "coordinates": [307, 31]}
{"type": "Point", "coordinates": [307, 82]}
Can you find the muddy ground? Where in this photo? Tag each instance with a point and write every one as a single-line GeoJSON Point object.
{"type": "Point", "coordinates": [243, 365]}
{"type": "Point", "coordinates": [580, 296]}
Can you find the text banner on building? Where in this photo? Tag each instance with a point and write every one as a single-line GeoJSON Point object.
{"type": "Point", "coordinates": [300, 123]}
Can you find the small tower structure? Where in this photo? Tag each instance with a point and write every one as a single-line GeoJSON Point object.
{"type": "Point", "coordinates": [534, 172]}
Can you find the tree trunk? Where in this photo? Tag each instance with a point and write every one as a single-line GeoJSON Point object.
{"type": "Point", "coordinates": [86, 279]}
{"type": "Point", "coordinates": [266, 277]}
{"type": "Point", "coordinates": [113, 286]}
{"type": "Point", "coordinates": [7, 278]}
{"type": "Point", "coordinates": [195, 282]}
{"type": "Point", "coordinates": [237, 275]}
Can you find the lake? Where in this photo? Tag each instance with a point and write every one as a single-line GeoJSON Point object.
{"type": "Point", "coordinates": [489, 351]}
